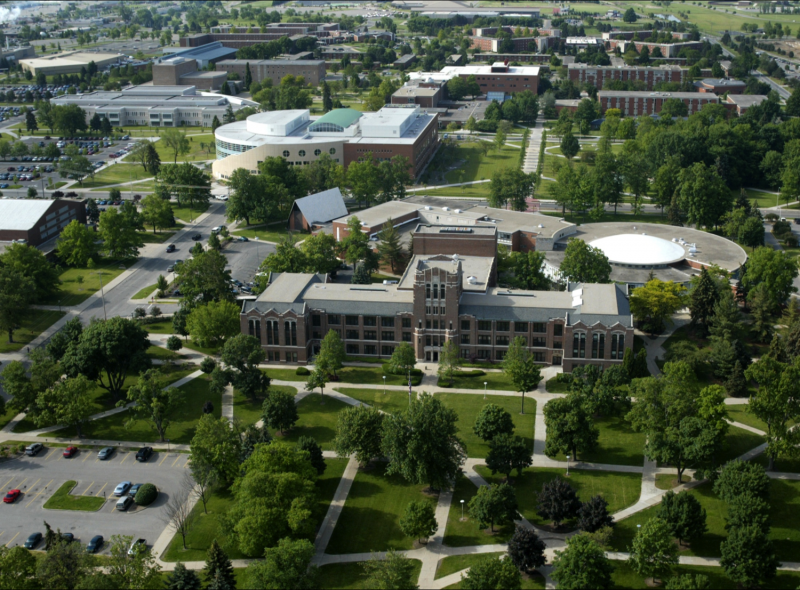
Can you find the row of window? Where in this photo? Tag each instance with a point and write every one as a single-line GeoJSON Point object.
{"type": "Point", "coordinates": [501, 326]}
{"type": "Point", "coordinates": [598, 345]}
{"type": "Point", "coordinates": [368, 349]}
{"type": "Point", "coordinates": [485, 339]}
{"type": "Point", "coordinates": [233, 147]}
{"type": "Point", "coordinates": [499, 355]}
{"type": "Point", "coordinates": [302, 153]}
{"type": "Point", "coordinates": [353, 320]}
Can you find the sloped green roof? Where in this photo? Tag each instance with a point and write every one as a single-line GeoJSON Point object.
{"type": "Point", "coordinates": [342, 117]}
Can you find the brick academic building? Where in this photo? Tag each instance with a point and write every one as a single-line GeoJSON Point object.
{"type": "Point", "coordinates": [312, 70]}
{"type": "Point", "coordinates": [635, 103]}
{"type": "Point", "coordinates": [442, 296]}
{"type": "Point", "coordinates": [597, 76]}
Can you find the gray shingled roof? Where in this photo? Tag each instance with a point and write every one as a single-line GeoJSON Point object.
{"type": "Point", "coordinates": [322, 207]}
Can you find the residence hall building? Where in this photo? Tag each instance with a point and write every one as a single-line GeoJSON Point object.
{"type": "Point", "coordinates": [597, 76]}
{"type": "Point", "coordinates": [497, 78]}
{"type": "Point", "coordinates": [666, 49]}
{"type": "Point", "coordinates": [442, 297]}
{"type": "Point", "coordinates": [312, 70]}
{"type": "Point", "coordinates": [635, 103]}
{"type": "Point", "coordinates": [346, 135]}
{"type": "Point", "coordinates": [720, 86]}
{"type": "Point", "coordinates": [38, 221]}
{"type": "Point", "coordinates": [156, 106]}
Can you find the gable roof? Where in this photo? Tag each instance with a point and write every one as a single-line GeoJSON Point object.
{"type": "Point", "coordinates": [22, 214]}
{"type": "Point", "coordinates": [322, 207]}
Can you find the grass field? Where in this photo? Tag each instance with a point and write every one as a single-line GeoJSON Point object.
{"type": "Point", "coordinates": [272, 232]}
{"type": "Point", "coordinates": [370, 518]}
{"type": "Point", "coordinates": [534, 583]}
{"type": "Point", "coordinates": [350, 576]}
{"type": "Point", "coordinates": [625, 577]}
{"type": "Point", "coordinates": [361, 375]}
{"type": "Point", "coordinates": [456, 563]}
{"type": "Point", "coordinates": [187, 214]}
{"type": "Point", "coordinates": [391, 402]}
{"type": "Point", "coordinates": [620, 490]}
{"type": "Point", "coordinates": [318, 418]}
{"type": "Point", "coordinates": [470, 164]}
{"type": "Point", "coordinates": [117, 174]}
{"type": "Point", "coordinates": [63, 500]}
{"type": "Point", "coordinates": [463, 533]}
{"type": "Point", "coordinates": [148, 236]}
{"type": "Point", "coordinates": [145, 294]}
{"type": "Point", "coordinates": [78, 284]}
{"type": "Point", "coordinates": [195, 152]}
{"type": "Point", "coordinates": [32, 325]}
{"type": "Point", "coordinates": [472, 191]}
{"type": "Point", "coordinates": [464, 380]}
{"type": "Point", "coordinates": [249, 411]}
{"type": "Point", "coordinates": [618, 444]}
{"type": "Point", "coordinates": [553, 385]}
{"type": "Point", "coordinates": [737, 442]}
{"type": "Point", "coordinates": [160, 327]}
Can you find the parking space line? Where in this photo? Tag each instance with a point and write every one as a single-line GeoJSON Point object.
{"type": "Point", "coordinates": [50, 454]}
{"type": "Point", "coordinates": [188, 460]}
{"type": "Point", "coordinates": [12, 539]}
{"type": "Point", "coordinates": [164, 459]}
{"type": "Point", "coordinates": [88, 454]}
{"type": "Point", "coordinates": [39, 493]}
{"type": "Point", "coordinates": [19, 485]}
{"type": "Point", "coordinates": [178, 458]}
{"type": "Point", "coordinates": [33, 485]}
{"type": "Point", "coordinates": [89, 487]}
{"type": "Point", "coordinates": [101, 489]}
{"type": "Point", "coordinates": [126, 457]}
{"type": "Point", "coordinates": [5, 485]}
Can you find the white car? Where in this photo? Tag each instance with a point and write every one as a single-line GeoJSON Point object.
{"type": "Point", "coordinates": [122, 488]}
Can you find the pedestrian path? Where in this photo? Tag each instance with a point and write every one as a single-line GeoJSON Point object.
{"type": "Point", "coordinates": [531, 161]}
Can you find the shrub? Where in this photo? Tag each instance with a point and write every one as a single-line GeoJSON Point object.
{"type": "Point", "coordinates": [302, 371]}
{"type": "Point", "coordinates": [146, 495]}
{"type": "Point", "coordinates": [771, 217]}
{"type": "Point", "coordinates": [207, 365]}
{"type": "Point", "coordinates": [790, 242]}
{"type": "Point", "coordinates": [416, 374]}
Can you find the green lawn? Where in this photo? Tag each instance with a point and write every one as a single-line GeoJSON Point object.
{"type": "Point", "coordinates": [494, 380]}
{"type": "Point", "coordinates": [737, 442]}
{"type": "Point", "coordinates": [117, 174]}
{"type": "Point", "coordinates": [318, 418]}
{"type": "Point", "coordinates": [620, 490]}
{"type": "Point", "coordinates": [469, 406]}
{"type": "Point", "coordinates": [272, 232]}
{"type": "Point", "coordinates": [456, 563]}
{"type": "Point", "coordinates": [553, 385]}
{"type": "Point", "coordinates": [361, 375]}
{"type": "Point", "coordinates": [160, 353]}
{"type": "Point", "coordinates": [371, 515]}
{"type": "Point", "coordinates": [618, 444]}
{"type": "Point", "coordinates": [739, 413]}
{"type": "Point", "coordinates": [467, 191]}
{"type": "Point", "coordinates": [533, 583]}
{"type": "Point", "coordinates": [195, 153]}
{"type": "Point", "coordinates": [350, 576]}
{"type": "Point", "coordinates": [467, 532]}
{"type": "Point", "coordinates": [209, 350]}
{"type": "Point", "coordinates": [78, 284]}
{"type": "Point", "coordinates": [160, 327]}
{"type": "Point", "coordinates": [62, 500]}
{"type": "Point", "coordinates": [32, 325]}
{"type": "Point", "coordinates": [392, 402]}
{"type": "Point", "coordinates": [791, 465]}
{"type": "Point", "coordinates": [784, 501]}
{"type": "Point", "coordinates": [145, 294]}
{"type": "Point", "coordinates": [625, 577]}
{"type": "Point", "coordinates": [249, 411]}
{"type": "Point", "coordinates": [180, 431]}
{"type": "Point", "coordinates": [163, 235]}
{"type": "Point", "coordinates": [6, 417]}
{"type": "Point", "coordinates": [473, 165]}
{"type": "Point", "coordinates": [189, 214]}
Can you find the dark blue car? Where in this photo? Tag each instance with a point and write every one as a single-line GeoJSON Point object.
{"type": "Point", "coordinates": [95, 544]}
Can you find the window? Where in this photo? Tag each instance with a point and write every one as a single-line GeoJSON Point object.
{"type": "Point", "coordinates": [465, 325]}
{"type": "Point", "coordinates": [579, 345]}
{"type": "Point", "coordinates": [351, 334]}
{"type": "Point", "coordinates": [499, 355]}
{"type": "Point", "coordinates": [502, 326]}
{"type": "Point", "coordinates": [333, 320]}
{"type": "Point", "coordinates": [255, 329]}
{"type": "Point", "coordinates": [316, 320]}
{"type": "Point", "coordinates": [272, 332]}
{"type": "Point", "coordinates": [291, 357]}
{"type": "Point", "coordinates": [316, 335]}
{"type": "Point", "coordinates": [285, 153]}
{"type": "Point", "coordinates": [538, 357]}
{"type": "Point", "coordinates": [406, 322]}
{"type": "Point", "coordinates": [387, 350]}
{"type": "Point", "coordinates": [427, 324]}
{"type": "Point", "coordinates": [428, 340]}
{"type": "Point", "coordinates": [557, 344]}
{"type": "Point", "coordinates": [351, 348]}
{"type": "Point", "coordinates": [407, 337]}
{"type": "Point", "coordinates": [385, 335]}
{"type": "Point", "coordinates": [520, 326]}
{"type": "Point", "coordinates": [435, 324]}
{"type": "Point", "coordinates": [485, 325]}
{"type": "Point", "coordinates": [465, 353]}
{"type": "Point", "coordinates": [290, 333]}
{"type": "Point", "coordinates": [273, 356]}
{"type": "Point", "coordinates": [387, 322]}
{"type": "Point", "coordinates": [484, 354]}
{"type": "Point", "coordinates": [351, 320]}
{"type": "Point", "coordinates": [539, 342]}
{"type": "Point", "coordinates": [427, 290]}
{"type": "Point", "coordinates": [484, 339]}
{"type": "Point", "coordinates": [370, 349]}
{"type": "Point", "coordinates": [436, 291]}
{"type": "Point", "coordinates": [617, 346]}
{"type": "Point", "coordinates": [370, 335]}
{"type": "Point", "coordinates": [502, 341]}
{"type": "Point", "coordinates": [558, 329]}
{"type": "Point", "coordinates": [332, 151]}
{"type": "Point", "coordinates": [598, 345]}
{"type": "Point", "coordinates": [465, 339]}
{"type": "Point", "coordinates": [539, 327]}
{"type": "Point", "coordinates": [370, 321]}
{"type": "Point", "coordinates": [317, 153]}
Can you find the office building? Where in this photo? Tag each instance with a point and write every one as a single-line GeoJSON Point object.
{"type": "Point", "coordinates": [720, 86]}
{"type": "Point", "coordinates": [312, 70]}
{"type": "Point", "coordinates": [497, 79]}
{"type": "Point", "coordinates": [179, 71]}
{"type": "Point", "coordinates": [597, 76]}
{"type": "Point", "coordinates": [210, 53]}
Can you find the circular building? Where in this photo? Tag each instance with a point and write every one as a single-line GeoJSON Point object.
{"type": "Point", "coordinates": [638, 250]}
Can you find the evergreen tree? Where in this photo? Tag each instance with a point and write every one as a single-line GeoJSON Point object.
{"type": "Point", "coordinates": [703, 299]}
{"type": "Point", "coordinates": [218, 569]}
{"type": "Point", "coordinates": [327, 103]}
{"type": "Point", "coordinates": [307, 443]}
{"type": "Point", "coordinates": [182, 579]}
{"type": "Point", "coordinates": [248, 76]}
{"type": "Point", "coordinates": [736, 385]}
{"type": "Point", "coordinates": [361, 275]}
{"type": "Point", "coordinates": [215, 123]}
{"type": "Point", "coordinates": [389, 248]}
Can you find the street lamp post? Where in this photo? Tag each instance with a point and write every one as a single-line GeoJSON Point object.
{"type": "Point", "coordinates": [567, 465]}
{"type": "Point", "coordinates": [102, 294]}
{"type": "Point", "coordinates": [384, 385]}
{"type": "Point", "coordinates": [485, 383]}
{"type": "Point", "coordinates": [462, 509]}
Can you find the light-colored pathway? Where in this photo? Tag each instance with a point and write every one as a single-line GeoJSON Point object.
{"type": "Point", "coordinates": [531, 161]}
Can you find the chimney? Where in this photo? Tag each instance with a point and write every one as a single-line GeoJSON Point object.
{"type": "Point", "coordinates": [505, 63]}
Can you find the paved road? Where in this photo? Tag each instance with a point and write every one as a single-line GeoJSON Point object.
{"type": "Point", "coordinates": [39, 477]}
{"type": "Point", "coordinates": [782, 92]}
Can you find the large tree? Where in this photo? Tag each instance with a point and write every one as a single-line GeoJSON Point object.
{"type": "Point", "coordinates": [176, 142]}
{"type": "Point", "coordinates": [774, 269]}
{"type": "Point", "coordinates": [204, 278]}
{"type": "Point", "coordinates": [570, 428]}
{"type": "Point", "coordinates": [31, 263]}
{"type": "Point", "coordinates": [190, 185]}
{"type": "Point", "coordinates": [16, 292]}
{"type": "Point", "coordinates": [216, 448]}
{"type": "Point", "coordinates": [492, 573]}
{"type": "Point", "coordinates": [157, 212]}
{"type": "Point", "coordinates": [684, 515]}
{"type": "Point", "coordinates": [213, 323]}
{"type": "Point", "coordinates": [653, 554]}
{"type": "Point", "coordinates": [557, 501]}
{"type": "Point", "coordinates": [585, 264]}
{"type": "Point", "coordinates": [656, 301]}
{"type": "Point", "coordinates": [702, 299]}
{"type": "Point", "coordinates": [389, 248]}
{"type": "Point", "coordinates": [494, 504]}
{"type": "Point", "coordinates": [153, 402]}
{"type": "Point", "coordinates": [520, 366]}
{"type": "Point", "coordinates": [67, 402]}
{"type": "Point", "coordinates": [241, 355]}
{"type": "Point", "coordinates": [748, 557]}
{"type": "Point", "coordinates": [491, 421]}
{"type": "Point", "coordinates": [422, 443]}
{"type": "Point", "coordinates": [703, 195]}
{"type": "Point", "coordinates": [286, 566]}
{"type": "Point", "coordinates": [359, 433]}
{"type": "Point", "coordinates": [120, 239]}
{"type": "Point", "coordinates": [583, 564]}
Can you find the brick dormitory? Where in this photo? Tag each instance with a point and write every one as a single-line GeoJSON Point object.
{"type": "Point", "coordinates": [444, 295]}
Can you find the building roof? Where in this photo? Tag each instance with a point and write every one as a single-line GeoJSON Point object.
{"type": "Point", "coordinates": [275, 62]}
{"type": "Point", "coordinates": [322, 207]}
{"type": "Point", "coordinates": [208, 51]}
{"type": "Point", "coordinates": [22, 214]}
{"type": "Point", "coordinates": [408, 57]}
{"type": "Point", "coordinates": [413, 91]}
{"type": "Point", "coordinates": [341, 117]}
{"type": "Point", "coordinates": [723, 82]}
{"type": "Point", "coordinates": [746, 100]}
{"type": "Point", "coordinates": [650, 94]}
{"type": "Point", "coordinates": [476, 271]}
{"type": "Point", "coordinates": [70, 58]}
{"type": "Point", "coordinates": [639, 249]}
{"type": "Point", "coordinates": [623, 66]}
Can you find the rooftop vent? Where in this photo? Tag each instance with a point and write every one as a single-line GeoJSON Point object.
{"type": "Point", "coordinates": [458, 210]}
{"type": "Point", "coordinates": [445, 208]}
{"type": "Point", "coordinates": [472, 280]}
{"type": "Point", "coordinates": [540, 225]}
{"type": "Point", "coordinates": [428, 208]}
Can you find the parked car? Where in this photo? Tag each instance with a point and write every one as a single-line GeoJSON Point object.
{"type": "Point", "coordinates": [242, 239]}
{"type": "Point", "coordinates": [95, 544]}
{"type": "Point", "coordinates": [11, 496]}
{"type": "Point", "coordinates": [134, 488]}
{"type": "Point", "coordinates": [33, 540]}
{"type": "Point", "coordinates": [137, 543]}
{"type": "Point", "coordinates": [67, 537]}
{"type": "Point", "coordinates": [33, 449]}
{"type": "Point", "coordinates": [170, 268]}
{"type": "Point", "coordinates": [105, 453]}
{"type": "Point", "coordinates": [143, 454]}
{"type": "Point", "coordinates": [124, 503]}
{"type": "Point", "coordinates": [197, 237]}
{"type": "Point", "coordinates": [171, 248]}
{"type": "Point", "coordinates": [69, 452]}
{"type": "Point", "coordinates": [122, 488]}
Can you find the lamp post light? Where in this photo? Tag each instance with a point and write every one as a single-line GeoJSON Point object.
{"type": "Point", "coordinates": [485, 383]}
{"type": "Point", "coordinates": [384, 385]}
{"type": "Point", "coordinates": [462, 509]}
{"type": "Point", "coordinates": [567, 465]}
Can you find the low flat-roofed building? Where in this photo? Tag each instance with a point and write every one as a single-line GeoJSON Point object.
{"type": "Point", "coordinates": [739, 103]}
{"type": "Point", "coordinates": [37, 221]}
{"type": "Point", "coordinates": [666, 49]}
{"type": "Point", "coordinates": [597, 76]}
{"type": "Point", "coordinates": [583, 42]}
{"type": "Point", "coordinates": [156, 106]}
{"type": "Point", "coordinates": [424, 97]}
{"type": "Point", "coordinates": [720, 86]}
{"type": "Point", "coordinates": [210, 53]}
{"type": "Point", "coordinates": [69, 62]}
{"type": "Point", "coordinates": [18, 53]}
{"type": "Point", "coordinates": [497, 77]}
{"type": "Point", "coordinates": [405, 61]}
{"type": "Point", "coordinates": [179, 71]}
{"type": "Point", "coordinates": [635, 103]}
{"type": "Point", "coordinates": [312, 70]}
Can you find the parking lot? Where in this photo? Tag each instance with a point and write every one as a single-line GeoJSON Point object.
{"type": "Point", "coordinates": [40, 476]}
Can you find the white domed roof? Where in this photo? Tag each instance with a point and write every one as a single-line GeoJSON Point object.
{"type": "Point", "coordinates": [639, 249]}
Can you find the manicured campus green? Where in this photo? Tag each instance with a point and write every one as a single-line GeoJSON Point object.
{"type": "Point", "coordinates": [620, 490]}
{"type": "Point", "coordinates": [456, 563]}
{"type": "Point", "coordinates": [470, 164]}
{"type": "Point", "coordinates": [466, 380]}
{"type": "Point", "coordinates": [468, 406]}
{"type": "Point", "coordinates": [533, 583]}
{"type": "Point", "coordinates": [75, 290]}
{"type": "Point", "coordinates": [180, 431]}
{"type": "Point", "coordinates": [361, 375]}
{"type": "Point", "coordinates": [207, 350]}
{"type": "Point", "coordinates": [206, 527]}
{"type": "Point", "coordinates": [189, 213]}
{"type": "Point", "coordinates": [739, 413]}
{"type": "Point", "coordinates": [618, 444]}
{"type": "Point", "coordinates": [553, 385]}
{"type": "Point", "coordinates": [350, 576]}
{"type": "Point", "coordinates": [163, 235]}
{"type": "Point", "coordinates": [467, 191]}
{"type": "Point", "coordinates": [625, 577]}
{"type": "Point", "coordinates": [318, 418]}
{"type": "Point", "coordinates": [248, 411]}
{"type": "Point", "coordinates": [391, 402]}
{"type": "Point", "coordinates": [32, 325]}
{"type": "Point", "coordinates": [195, 152]}
{"type": "Point", "coordinates": [160, 327]}
{"type": "Point", "coordinates": [145, 294]}
{"type": "Point", "coordinates": [117, 174]}
{"type": "Point", "coordinates": [274, 232]}
{"type": "Point", "coordinates": [784, 501]}
{"type": "Point", "coordinates": [370, 520]}
{"type": "Point", "coordinates": [163, 354]}
{"type": "Point", "coordinates": [6, 417]}
{"type": "Point", "coordinates": [737, 442]}
{"type": "Point", "coordinates": [62, 500]}
{"type": "Point", "coordinates": [467, 532]}
{"type": "Point", "coordinates": [790, 465]}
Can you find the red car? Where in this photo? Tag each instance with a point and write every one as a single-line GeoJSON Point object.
{"type": "Point", "coordinates": [69, 451]}
{"type": "Point", "coordinates": [11, 496]}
